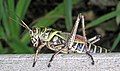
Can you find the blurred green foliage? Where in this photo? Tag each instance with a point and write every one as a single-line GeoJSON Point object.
{"type": "Point", "coordinates": [10, 30]}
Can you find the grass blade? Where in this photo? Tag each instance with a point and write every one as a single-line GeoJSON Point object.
{"type": "Point", "coordinates": [49, 18]}
{"type": "Point", "coordinates": [22, 7]}
{"type": "Point", "coordinates": [14, 28]}
{"type": "Point", "coordinates": [5, 19]}
{"type": "Point", "coordinates": [118, 16]}
{"type": "Point", "coordinates": [117, 40]}
{"type": "Point", "coordinates": [102, 19]}
{"type": "Point", "coordinates": [1, 49]}
{"type": "Point", "coordinates": [10, 4]}
{"type": "Point", "coordinates": [2, 34]}
{"type": "Point", "coordinates": [68, 14]}
{"type": "Point", "coordinates": [19, 47]}
{"type": "Point", "coordinates": [1, 1]}
{"type": "Point", "coordinates": [52, 16]}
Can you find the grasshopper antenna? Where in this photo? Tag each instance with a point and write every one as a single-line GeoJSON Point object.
{"type": "Point", "coordinates": [25, 25]}
{"type": "Point", "coordinates": [22, 24]}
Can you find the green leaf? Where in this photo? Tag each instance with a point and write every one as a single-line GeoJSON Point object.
{"type": "Point", "coordinates": [14, 28]}
{"type": "Point", "coordinates": [1, 1]}
{"type": "Point", "coordinates": [1, 49]}
{"type": "Point", "coordinates": [52, 16]}
{"type": "Point", "coordinates": [49, 18]}
{"type": "Point", "coordinates": [22, 7]}
{"type": "Point", "coordinates": [19, 47]}
{"type": "Point", "coordinates": [118, 16]}
{"type": "Point", "coordinates": [11, 28]}
{"type": "Point", "coordinates": [5, 19]}
{"type": "Point", "coordinates": [117, 40]}
{"type": "Point", "coordinates": [26, 38]}
{"type": "Point", "coordinates": [102, 19]}
{"type": "Point", "coordinates": [10, 4]}
{"type": "Point", "coordinates": [20, 10]}
{"type": "Point", "coordinates": [2, 34]}
{"type": "Point", "coordinates": [109, 25]}
{"type": "Point", "coordinates": [68, 14]}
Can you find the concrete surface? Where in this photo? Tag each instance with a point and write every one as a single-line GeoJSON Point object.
{"type": "Point", "coordinates": [62, 62]}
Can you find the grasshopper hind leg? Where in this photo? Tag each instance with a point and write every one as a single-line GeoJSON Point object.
{"type": "Point", "coordinates": [84, 35]}
{"type": "Point", "coordinates": [93, 62]}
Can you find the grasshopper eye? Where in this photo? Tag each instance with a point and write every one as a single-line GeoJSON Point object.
{"type": "Point", "coordinates": [34, 30]}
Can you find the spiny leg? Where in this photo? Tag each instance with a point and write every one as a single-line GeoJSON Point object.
{"type": "Point", "coordinates": [51, 59]}
{"type": "Point", "coordinates": [36, 54]}
{"type": "Point", "coordinates": [94, 39]}
{"type": "Point", "coordinates": [90, 57]}
{"type": "Point", "coordinates": [84, 35]}
{"type": "Point", "coordinates": [70, 40]}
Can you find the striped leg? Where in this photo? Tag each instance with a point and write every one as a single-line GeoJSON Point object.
{"type": "Point", "coordinates": [70, 40]}
{"type": "Point", "coordinates": [96, 49]}
{"type": "Point", "coordinates": [84, 35]}
{"type": "Point", "coordinates": [91, 42]}
{"type": "Point", "coordinates": [94, 39]}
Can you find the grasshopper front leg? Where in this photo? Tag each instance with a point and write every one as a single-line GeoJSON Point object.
{"type": "Point", "coordinates": [36, 54]}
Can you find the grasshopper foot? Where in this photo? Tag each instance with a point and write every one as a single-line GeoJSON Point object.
{"type": "Point", "coordinates": [49, 65]}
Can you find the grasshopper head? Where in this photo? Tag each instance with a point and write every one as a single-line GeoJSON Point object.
{"type": "Point", "coordinates": [34, 34]}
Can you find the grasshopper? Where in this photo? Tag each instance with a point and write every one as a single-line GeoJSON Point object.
{"type": "Point", "coordinates": [63, 42]}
